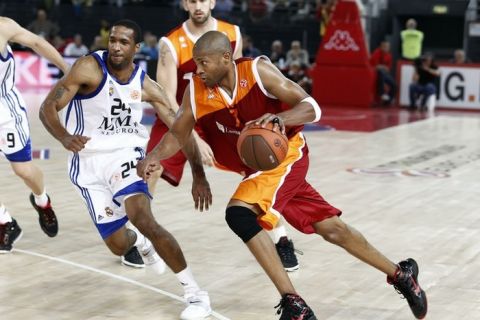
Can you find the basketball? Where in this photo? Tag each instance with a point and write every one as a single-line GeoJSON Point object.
{"type": "Point", "coordinates": [262, 148]}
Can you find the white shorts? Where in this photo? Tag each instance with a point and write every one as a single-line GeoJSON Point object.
{"type": "Point", "coordinates": [14, 128]}
{"type": "Point", "coordinates": [103, 181]}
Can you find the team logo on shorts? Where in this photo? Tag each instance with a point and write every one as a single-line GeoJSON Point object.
{"type": "Point", "coordinates": [108, 212]}
{"type": "Point", "coordinates": [135, 95]}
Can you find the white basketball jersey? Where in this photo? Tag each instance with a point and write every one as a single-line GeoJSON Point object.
{"type": "Point", "coordinates": [111, 114]}
{"type": "Point", "coordinates": [14, 129]}
{"type": "Point", "coordinates": [7, 71]}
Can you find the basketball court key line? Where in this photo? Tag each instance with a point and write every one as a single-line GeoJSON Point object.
{"type": "Point", "coordinates": [114, 276]}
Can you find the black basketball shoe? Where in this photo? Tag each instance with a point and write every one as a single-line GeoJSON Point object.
{"type": "Point", "coordinates": [9, 234]}
{"type": "Point", "coordinates": [286, 251]}
{"type": "Point", "coordinates": [46, 217]}
{"type": "Point", "coordinates": [293, 307]}
{"type": "Point", "coordinates": [406, 283]}
{"type": "Point", "coordinates": [133, 258]}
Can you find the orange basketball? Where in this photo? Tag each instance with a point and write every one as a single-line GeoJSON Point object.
{"type": "Point", "coordinates": [262, 148]}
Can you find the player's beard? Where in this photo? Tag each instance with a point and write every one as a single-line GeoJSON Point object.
{"type": "Point", "coordinates": [200, 21]}
{"type": "Point", "coordinates": [120, 65]}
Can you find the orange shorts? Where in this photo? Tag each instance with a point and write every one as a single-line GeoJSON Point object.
{"type": "Point", "coordinates": [284, 191]}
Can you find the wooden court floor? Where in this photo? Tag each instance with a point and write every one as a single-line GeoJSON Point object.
{"type": "Point", "coordinates": [413, 190]}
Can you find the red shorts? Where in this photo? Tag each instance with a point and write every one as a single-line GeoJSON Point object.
{"type": "Point", "coordinates": [284, 191]}
{"type": "Point", "coordinates": [173, 166]}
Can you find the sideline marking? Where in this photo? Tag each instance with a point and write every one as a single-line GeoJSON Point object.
{"type": "Point", "coordinates": [114, 276]}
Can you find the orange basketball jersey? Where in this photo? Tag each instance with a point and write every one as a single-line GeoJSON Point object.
{"type": "Point", "coordinates": [180, 42]}
{"type": "Point", "coordinates": [221, 117]}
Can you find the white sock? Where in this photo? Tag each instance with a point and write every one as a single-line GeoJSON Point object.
{"type": "Point", "coordinates": [141, 240]}
{"type": "Point", "coordinates": [187, 281]}
{"type": "Point", "coordinates": [4, 215]}
{"type": "Point", "coordinates": [278, 233]}
{"type": "Point", "coordinates": [41, 199]}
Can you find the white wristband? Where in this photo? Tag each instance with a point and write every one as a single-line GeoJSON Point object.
{"type": "Point", "coordinates": [316, 107]}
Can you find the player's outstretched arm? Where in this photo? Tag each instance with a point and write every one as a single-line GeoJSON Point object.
{"type": "Point", "coordinates": [18, 34]}
{"type": "Point", "coordinates": [304, 108]}
{"type": "Point", "coordinates": [82, 74]}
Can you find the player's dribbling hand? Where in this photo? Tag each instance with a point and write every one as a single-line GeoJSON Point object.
{"type": "Point", "coordinates": [267, 118]}
{"type": "Point", "coordinates": [74, 143]}
{"type": "Point", "coordinates": [147, 166]}
{"type": "Point", "coordinates": [202, 196]}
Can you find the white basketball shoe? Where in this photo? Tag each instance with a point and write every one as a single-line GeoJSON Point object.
{"type": "Point", "coordinates": [198, 306]}
{"type": "Point", "coordinates": [151, 258]}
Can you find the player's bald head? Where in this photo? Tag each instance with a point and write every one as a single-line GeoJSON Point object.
{"type": "Point", "coordinates": [212, 42]}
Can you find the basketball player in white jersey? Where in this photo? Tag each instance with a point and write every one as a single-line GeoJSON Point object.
{"type": "Point", "coordinates": [15, 141]}
{"type": "Point", "coordinates": [176, 60]}
{"type": "Point", "coordinates": [104, 93]}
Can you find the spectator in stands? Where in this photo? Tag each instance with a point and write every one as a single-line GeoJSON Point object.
{"type": "Point", "coordinates": [223, 9]}
{"type": "Point", "coordinates": [97, 44]}
{"type": "Point", "coordinates": [59, 43]}
{"type": "Point", "coordinates": [43, 27]}
{"type": "Point", "coordinates": [259, 9]}
{"type": "Point", "coordinates": [303, 11]}
{"type": "Point", "coordinates": [424, 83]}
{"type": "Point", "coordinates": [149, 46]}
{"type": "Point", "coordinates": [324, 14]}
{"type": "Point", "coordinates": [248, 49]}
{"type": "Point", "coordinates": [282, 5]}
{"type": "Point", "coordinates": [412, 40]}
{"type": "Point", "coordinates": [76, 48]}
{"type": "Point", "coordinates": [296, 53]}
{"type": "Point", "coordinates": [459, 57]}
{"type": "Point", "coordinates": [297, 74]}
{"type": "Point", "coordinates": [77, 7]}
{"type": "Point", "coordinates": [381, 60]}
{"type": "Point", "coordinates": [104, 32]}
{"type": "Point", "coordinates": [277, 56]}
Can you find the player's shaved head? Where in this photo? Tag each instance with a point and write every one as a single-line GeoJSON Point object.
{"type": "Point", "coordinates": [213, 42]}
{"type": "Point", "coordinates": [212, 54]}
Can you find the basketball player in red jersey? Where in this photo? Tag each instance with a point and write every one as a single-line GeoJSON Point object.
{"type": "Point", "coordinates": [175, 61]}
{"type": "Point", "coordinates": [234, 95]}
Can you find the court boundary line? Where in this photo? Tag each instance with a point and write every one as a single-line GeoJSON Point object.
{"type": "Point", "coordinates": [114, 276]}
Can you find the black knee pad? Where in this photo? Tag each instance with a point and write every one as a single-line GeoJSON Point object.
{"type": "Point", "coordinates": [243, 222]}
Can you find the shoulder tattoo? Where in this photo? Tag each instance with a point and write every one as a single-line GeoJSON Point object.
{"type": "Point", "coordinates": [59, 93]}
{"type": "Point", "coordinates": [163, 54]}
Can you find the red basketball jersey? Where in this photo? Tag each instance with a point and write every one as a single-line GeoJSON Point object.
{"type": "Point", "coordinates": [222, 118]}
{"type": "Point", "coordinates": [180, 42]}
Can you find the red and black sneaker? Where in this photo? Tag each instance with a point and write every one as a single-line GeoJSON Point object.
{"type": "Point", "coordinates": [10, 233]}
{"type": "Point", "coordinates": [293, 307]}
{"type": "Point", "coordinates": [46, 217]}
{"type": "Point", "coordinates": [406, 283]}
